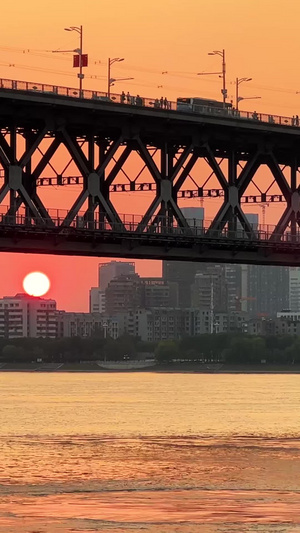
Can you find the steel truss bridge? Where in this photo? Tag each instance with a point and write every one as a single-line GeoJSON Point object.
{"type": "Point", "coordinates": [100, 135]}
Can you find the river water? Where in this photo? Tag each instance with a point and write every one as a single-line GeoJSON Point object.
{"type": "Point", "coordinates": [156, 453]}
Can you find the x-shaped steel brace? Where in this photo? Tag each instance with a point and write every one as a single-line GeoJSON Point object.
{"type": "Point", "coordinates": [166, 191]}
{"type": "Point", "coordinates": [14, 179]}
{"type": "Point", "coordinates": [291, 195]}
{"type": "Point", "coordinates": [92, 183]}
{"type": "Point", "coordinates": [233, 190]}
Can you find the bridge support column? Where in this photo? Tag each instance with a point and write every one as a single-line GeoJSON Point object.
{"type": "Point", "coordinates": [230, 212]}
{"type": "Point", "coordinates": [295, 201]}
{"type": "Point", "coordinates": [166, 191]}
{"type": "Point", "coordinates": [19, 182]}
{"type": "Point", "coordinates": [286, 190]}
{"type": "Point", "coordinates": [90, 213]}
{"type": "Point", "coordinates": [94, 182]}
{"type": "Point", "coordinates": [233, 195]}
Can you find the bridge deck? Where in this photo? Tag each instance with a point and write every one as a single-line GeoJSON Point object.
{"type": "Point", "coordinates": [93, 106]}
{"type": "Point", "coordinates": [56, 95]}
{"type": "Point", "coordinates": [196, 243]}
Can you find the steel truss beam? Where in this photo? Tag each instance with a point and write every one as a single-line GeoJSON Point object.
{"type": "Point", "coordinates": [168, 165]}
{"type": "Point", "coordinates": [134, 186]}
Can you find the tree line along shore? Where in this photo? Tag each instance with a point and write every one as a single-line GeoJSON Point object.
{"type": "Point", "coordinates": [226, 349]}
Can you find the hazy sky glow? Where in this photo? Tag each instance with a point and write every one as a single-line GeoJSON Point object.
{"type": "Point", "coordinates": [171, 37]}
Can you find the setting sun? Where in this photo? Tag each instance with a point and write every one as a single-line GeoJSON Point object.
{"type": "Point", "coordinates": [36, 284]}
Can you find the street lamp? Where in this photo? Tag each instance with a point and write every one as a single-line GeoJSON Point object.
{"type": "Point", "coordinates": [240, 98]}
{"type": "Point", "coordinates": [79, 30]}
{"type": "Point", "coordinates": [221, 53]}
{"type": "Point", "coordinates": [113, 80]}
{"type": "Point", "coordinates": [238, 81]}
{"type": "Point", "coordinates": [109, 79]}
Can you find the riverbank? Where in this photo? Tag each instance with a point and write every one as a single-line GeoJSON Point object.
{"type": "Point", "coordinates": [172, 368]}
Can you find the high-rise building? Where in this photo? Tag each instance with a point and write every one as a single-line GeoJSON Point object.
{"type": "Point", "coordinates": [294, 288]}
{"type": "Point", "coordinates": [209, 290]}
{"type": "Point", "coordinates": [233, 278]}
{"type": "Point", "coordinates": [194, 215]}
{"type": "Point", "coordinates": [157, 292]}
{"type": "Point", "coordinates": [27, 316]}
{"type": "Point", "coordinates": [123, 294]}
{"type": "Point", "coordinates": [183, 273]}
{"type": "Point", "coordinates": [265, 289]}
{"type": "Point", "coordinates": [113, 269]}
{"type": "Point", "coordinates": [253, 220]}
{"type": "Point", "coordinates": [130, 292]}
{"type": "Point", "coordinates": [97, 300]}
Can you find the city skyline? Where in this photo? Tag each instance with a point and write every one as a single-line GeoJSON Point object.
{"type": "Point", "coordinates": [62, 284]}
{"type": "Point", "coordinates": [244, 282]}
{"type": "Point", "coordinates": [216, 299]}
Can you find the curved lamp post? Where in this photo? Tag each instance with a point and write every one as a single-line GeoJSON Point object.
{"type": "Point", "coordinates": [110, 80]}
{"type": "Point", "coordinates": [238, 81]}
{"type": "Point", "coordinates": [78, 30]}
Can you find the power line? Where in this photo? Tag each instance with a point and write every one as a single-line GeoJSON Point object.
{"type": "Point", "coordinates": [102, 62]}
{"type": "Point", "coordinates": [37, 69]}
{"type": "Point", "coordinates": [28, 51]}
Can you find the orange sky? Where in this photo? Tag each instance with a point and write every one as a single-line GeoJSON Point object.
{"type": "Point", "coordinates": [260, 38]}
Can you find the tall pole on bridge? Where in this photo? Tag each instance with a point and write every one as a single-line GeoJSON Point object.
{"type": "Point", "coordinates": [110, 62]}
{"type": "Point", "coordinates": [79, 30]}
{"type": "Point", "coordinates": [221, 53]}
{"type": "Point", "coordinates": [238, 81]}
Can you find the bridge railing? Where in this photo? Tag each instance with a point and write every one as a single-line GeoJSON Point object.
{"type": "Point", "coordinates": [140, 101]}
{"type": "Point", "coordinates": [163, 228]}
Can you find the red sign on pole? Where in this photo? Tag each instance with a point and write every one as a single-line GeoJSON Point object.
{"type": "Point", "coordinates": [84, 61]}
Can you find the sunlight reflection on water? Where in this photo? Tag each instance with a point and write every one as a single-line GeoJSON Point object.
{"type": "Point", "coordinates": [151, 452]}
